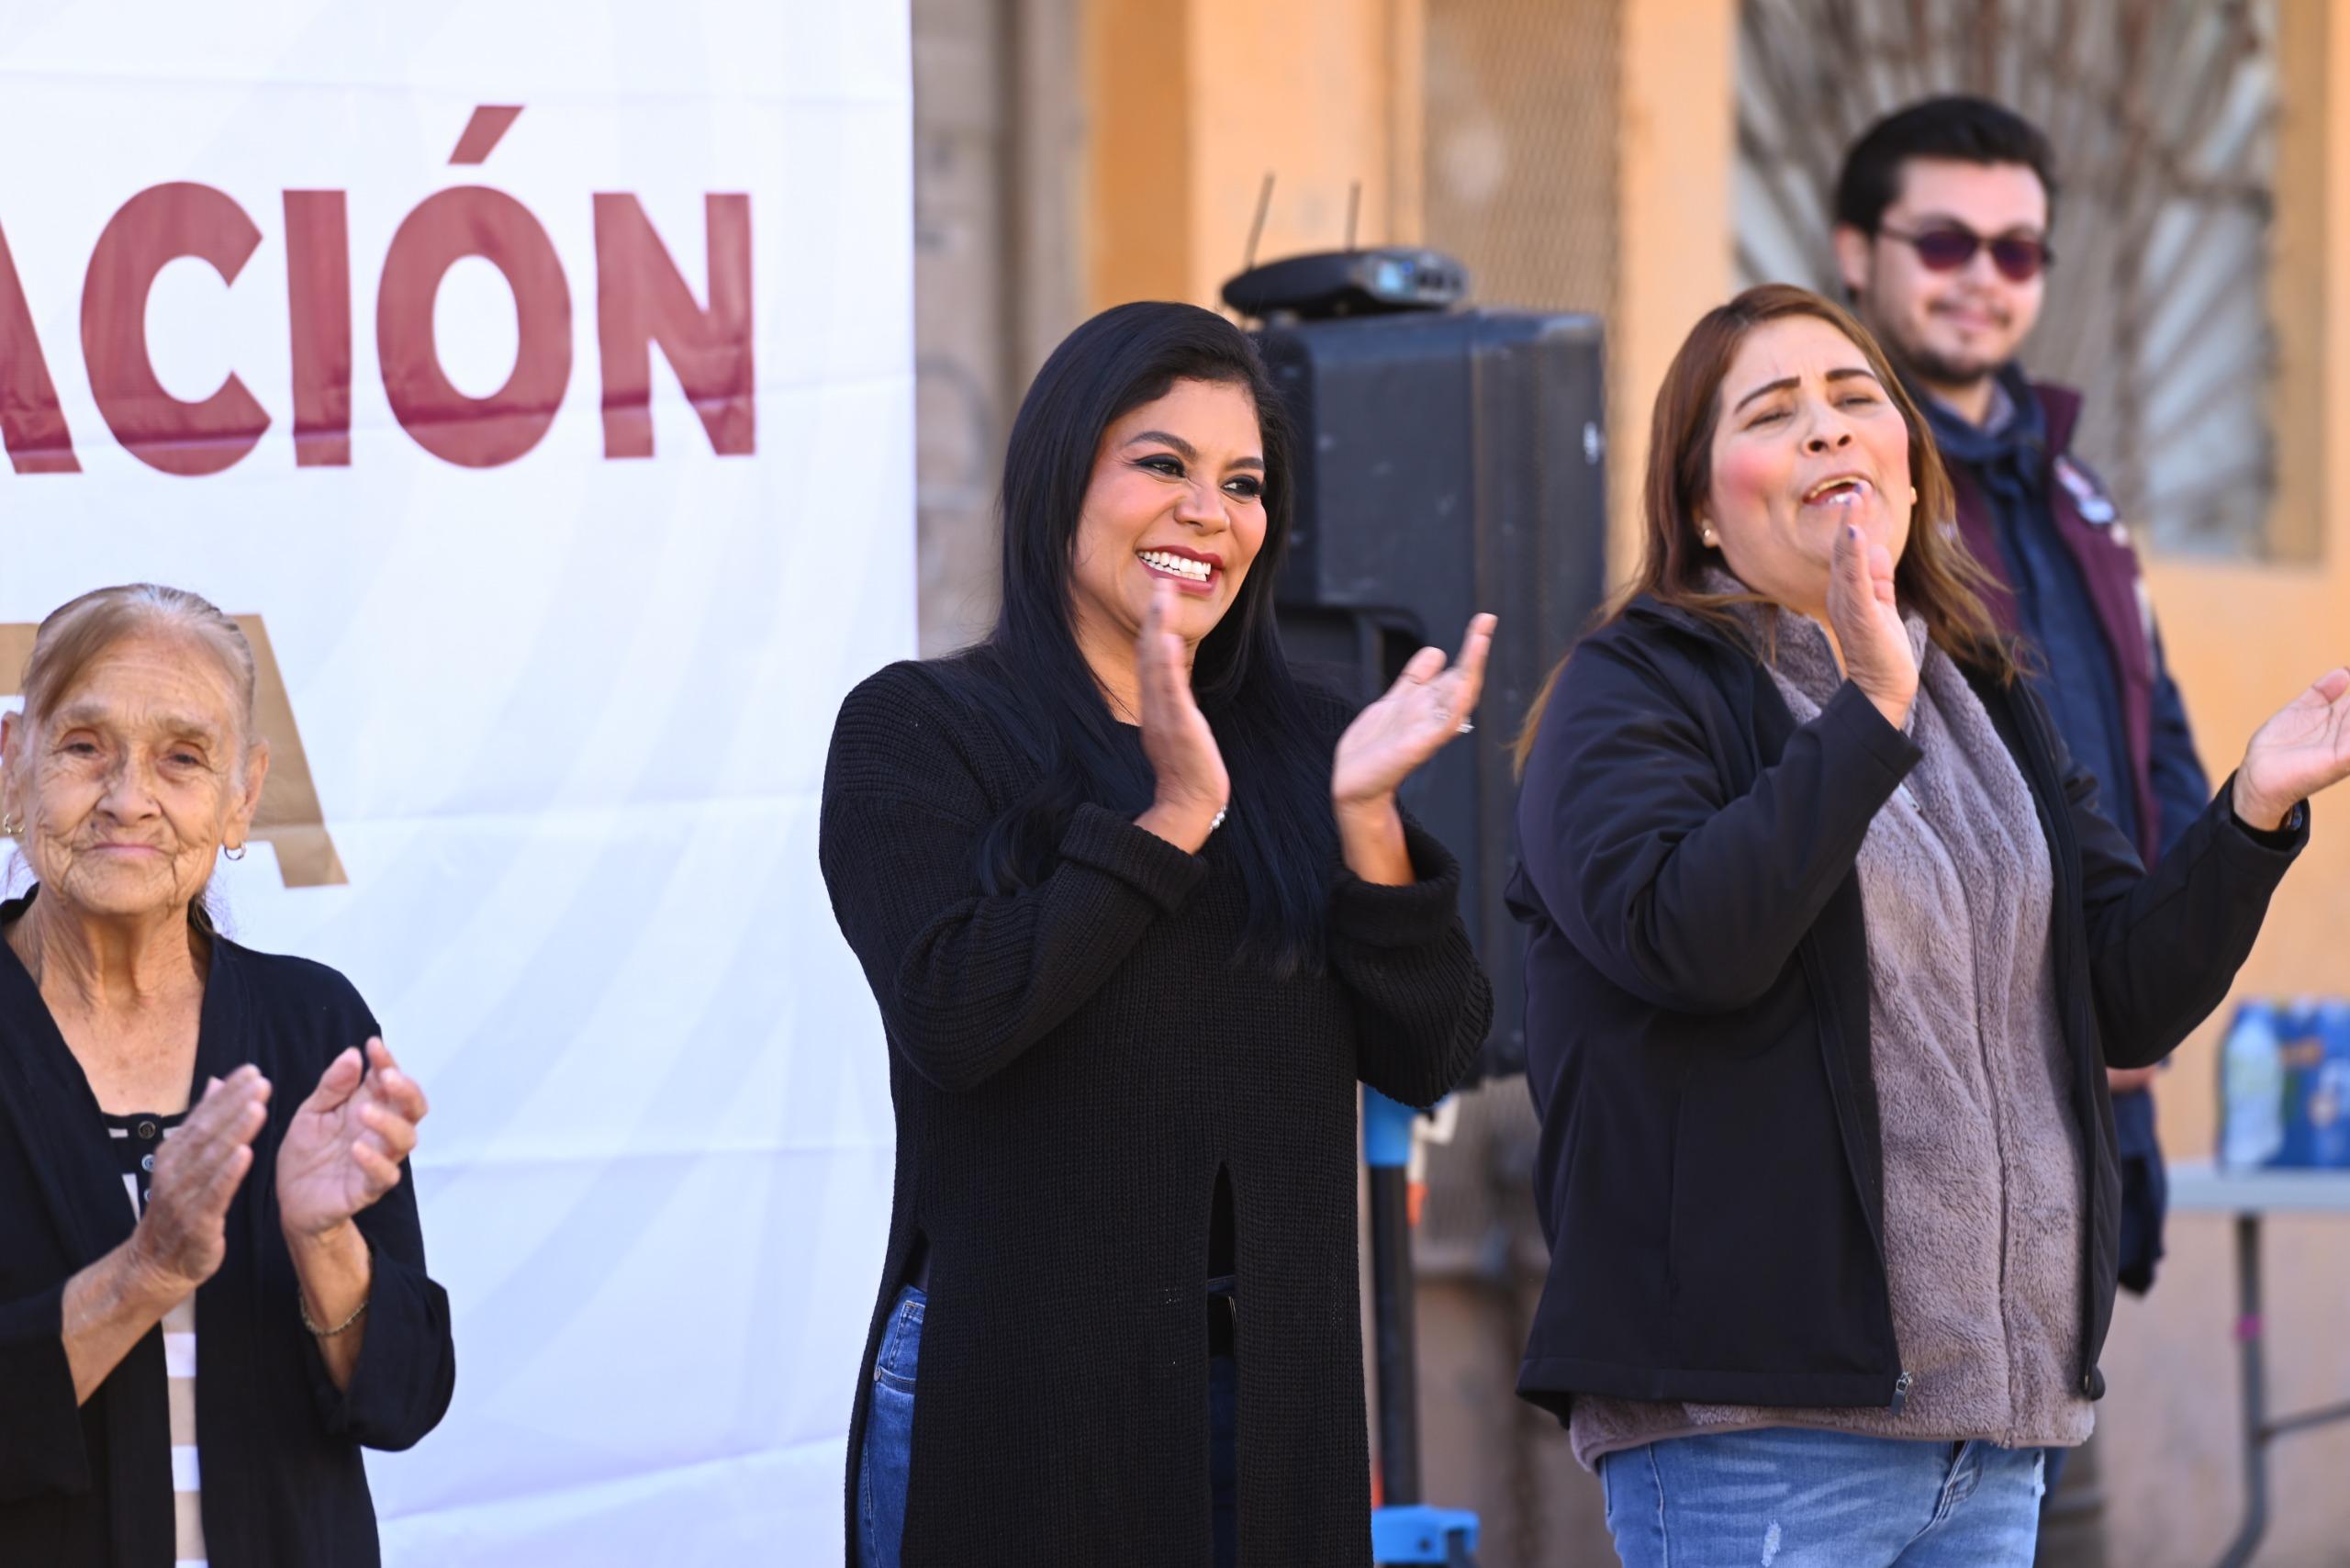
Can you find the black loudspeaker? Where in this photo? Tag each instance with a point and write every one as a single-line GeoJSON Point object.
{"type": "Point", "coordinates": [1448, 463]}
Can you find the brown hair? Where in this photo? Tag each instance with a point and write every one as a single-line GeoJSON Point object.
{"type": "Point", "coordinates": [1936, 577]}
{"type": "Point", "coordinates": [76, 633]}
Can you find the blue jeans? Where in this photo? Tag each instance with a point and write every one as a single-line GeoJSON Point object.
{"type": "Point", "coordinates": [890, 1435]}
{"type": "Point", "coordinates": [1788, 1497]}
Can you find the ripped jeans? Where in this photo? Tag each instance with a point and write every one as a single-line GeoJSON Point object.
{"type": "Point", "coordinates": [1791, 1497]}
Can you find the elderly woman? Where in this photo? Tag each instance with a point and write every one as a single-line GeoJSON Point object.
{"type": "Point", "coordinates": [211, 1295]}
{"type": "Point", "coordinates": [1830, 949]}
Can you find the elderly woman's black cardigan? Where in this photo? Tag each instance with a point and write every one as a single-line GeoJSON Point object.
{"type": "Point", "coordinates": [278, 1443]}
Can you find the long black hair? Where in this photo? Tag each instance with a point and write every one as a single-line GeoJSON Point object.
{"type": "Point", "coordinates": [1031, 677]}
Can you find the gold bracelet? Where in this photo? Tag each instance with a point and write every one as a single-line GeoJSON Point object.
{"type": "Point", "coordinates": [302, 1305]}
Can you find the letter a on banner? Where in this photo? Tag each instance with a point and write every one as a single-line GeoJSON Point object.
{"type": "Point", "coordinates": [33, 426]}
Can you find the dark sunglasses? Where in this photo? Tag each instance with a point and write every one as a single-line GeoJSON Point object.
{"type": "Point", "coordinates": [1947, 250]}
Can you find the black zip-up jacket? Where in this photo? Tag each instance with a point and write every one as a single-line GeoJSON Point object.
{"type": "Point", "coordinates": [1709, 1175]}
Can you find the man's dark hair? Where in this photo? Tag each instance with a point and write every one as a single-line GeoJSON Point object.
{"type": "Point", "coordinates": [1962, 129]}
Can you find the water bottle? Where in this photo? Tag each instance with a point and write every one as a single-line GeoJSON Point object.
{"type": "Point", "coordinates": [2251, 1090]}
{"type": "Point", "coordinates": [2329, 1105]}
{"type": "Point", "coordinates": [2299, 1056]}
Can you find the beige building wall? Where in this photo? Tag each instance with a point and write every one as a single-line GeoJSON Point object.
{"type": "Point", "coordinates": [1197, 101]}
{"type": "Point", "coordinates": [999, 138]}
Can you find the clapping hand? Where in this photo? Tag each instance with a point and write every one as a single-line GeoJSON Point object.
{"type": "Point", "coordinates": [344, 1147]}
{"type": "Point", "coordinates": [2304, 748]}
{"type": "Point", "coordinates": [1866, 619]}
{"type": "Point", "coordinates": [1191, 786]}
{"type": "Point", "coordinates": [183, 1235]}
{"type": "Point", "coordinates": [1428, 706]}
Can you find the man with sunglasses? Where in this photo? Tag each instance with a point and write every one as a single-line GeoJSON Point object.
{"type": "Point", "coordinates": [1941, 235]}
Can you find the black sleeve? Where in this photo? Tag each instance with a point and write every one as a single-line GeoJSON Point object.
{"type": "Point", "coordinates": [407, 1370]}
{"type": "Point", "coordinates": [966, 981]}
{"type": "Point", "coordinates": [40, 1422]}
{"type": "Point", "coordinates": [1422, 1001]}
{"type": "Point", "coordinates": [2164, 947]}
{"type": "Point", "coordinates": [1683, 895]}
{"type": "Point", "coordinates": [2181, 787]}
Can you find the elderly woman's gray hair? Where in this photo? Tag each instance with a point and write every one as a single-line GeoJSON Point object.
{"type": "Point", "coordinates": [80, 630]}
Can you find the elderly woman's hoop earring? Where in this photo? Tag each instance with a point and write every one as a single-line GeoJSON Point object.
{"type": "Point", "coordinates": [236, 853]}
{"type": "Point", "coordinates": [9, 827]}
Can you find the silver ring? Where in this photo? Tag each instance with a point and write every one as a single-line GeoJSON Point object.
{"type": "Point", "coordinates": [1463, 727]}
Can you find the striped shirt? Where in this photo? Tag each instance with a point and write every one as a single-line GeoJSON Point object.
{"type": "Point", "coordinates": [136, 1139]}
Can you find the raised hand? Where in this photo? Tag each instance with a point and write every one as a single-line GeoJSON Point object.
{"type": "Point", "coordinates": [1192, 786]}
{"type": "Point", "coordinates": [344, 1147]}
{"type": "Point", "coordinates": [2304, 748]}
{"type": "Point", "coordinates": [183, 1234]}
{"type": "Point", "coordinates": [1426, 707]}
{"type": "Point", "coordinates": [1866, 620]}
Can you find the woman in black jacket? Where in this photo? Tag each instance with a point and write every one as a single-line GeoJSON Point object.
{"type": "Point", "coordinates": [1138, 913]}
{"type": "Point", "coordinates": [1829, 950]}
{"type": "Point", "coordinates": [212, 1294]}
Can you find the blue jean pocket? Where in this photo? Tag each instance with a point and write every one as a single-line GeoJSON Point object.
{"type": "Point", "coordinates": [901, 1341]}
{"type": "Point", "coordinates": [888, 1434]}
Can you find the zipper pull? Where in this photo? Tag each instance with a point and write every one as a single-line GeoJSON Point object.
{"type": "Point", "coordinates": [1900, 1394]}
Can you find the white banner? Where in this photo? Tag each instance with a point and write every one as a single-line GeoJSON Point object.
{"type": "Point", "coordinates": [537, 381]}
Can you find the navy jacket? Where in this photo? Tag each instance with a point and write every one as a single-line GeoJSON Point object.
{"type": "Point", "coordinates": [2162, 787]}
{"type": "Point", "coordinates": [1710, 1174]}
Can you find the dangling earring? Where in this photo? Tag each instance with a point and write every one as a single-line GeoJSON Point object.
{"type": "Point", "coordinates": [236, 853]}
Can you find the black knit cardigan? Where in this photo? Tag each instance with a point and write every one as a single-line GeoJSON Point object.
{"type": "Point", "coordinates": [1072, 1065]}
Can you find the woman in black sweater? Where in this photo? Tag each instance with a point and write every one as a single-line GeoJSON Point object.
{"type": "Point", "coordinates": [1830, 949]}
{"type": "Point", "coordinates": [1138, 912]}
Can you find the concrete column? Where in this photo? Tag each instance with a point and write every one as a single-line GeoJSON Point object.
{"type": "Point", "coordinates": [1677, 146]}
{"type": "Point", "coordinates": [1195, 101]}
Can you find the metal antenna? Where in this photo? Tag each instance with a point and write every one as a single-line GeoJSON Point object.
{"type": "Point", "coordinates": [1257, 229]}
{"type": "Point", "coordinates": [1354, 206]}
